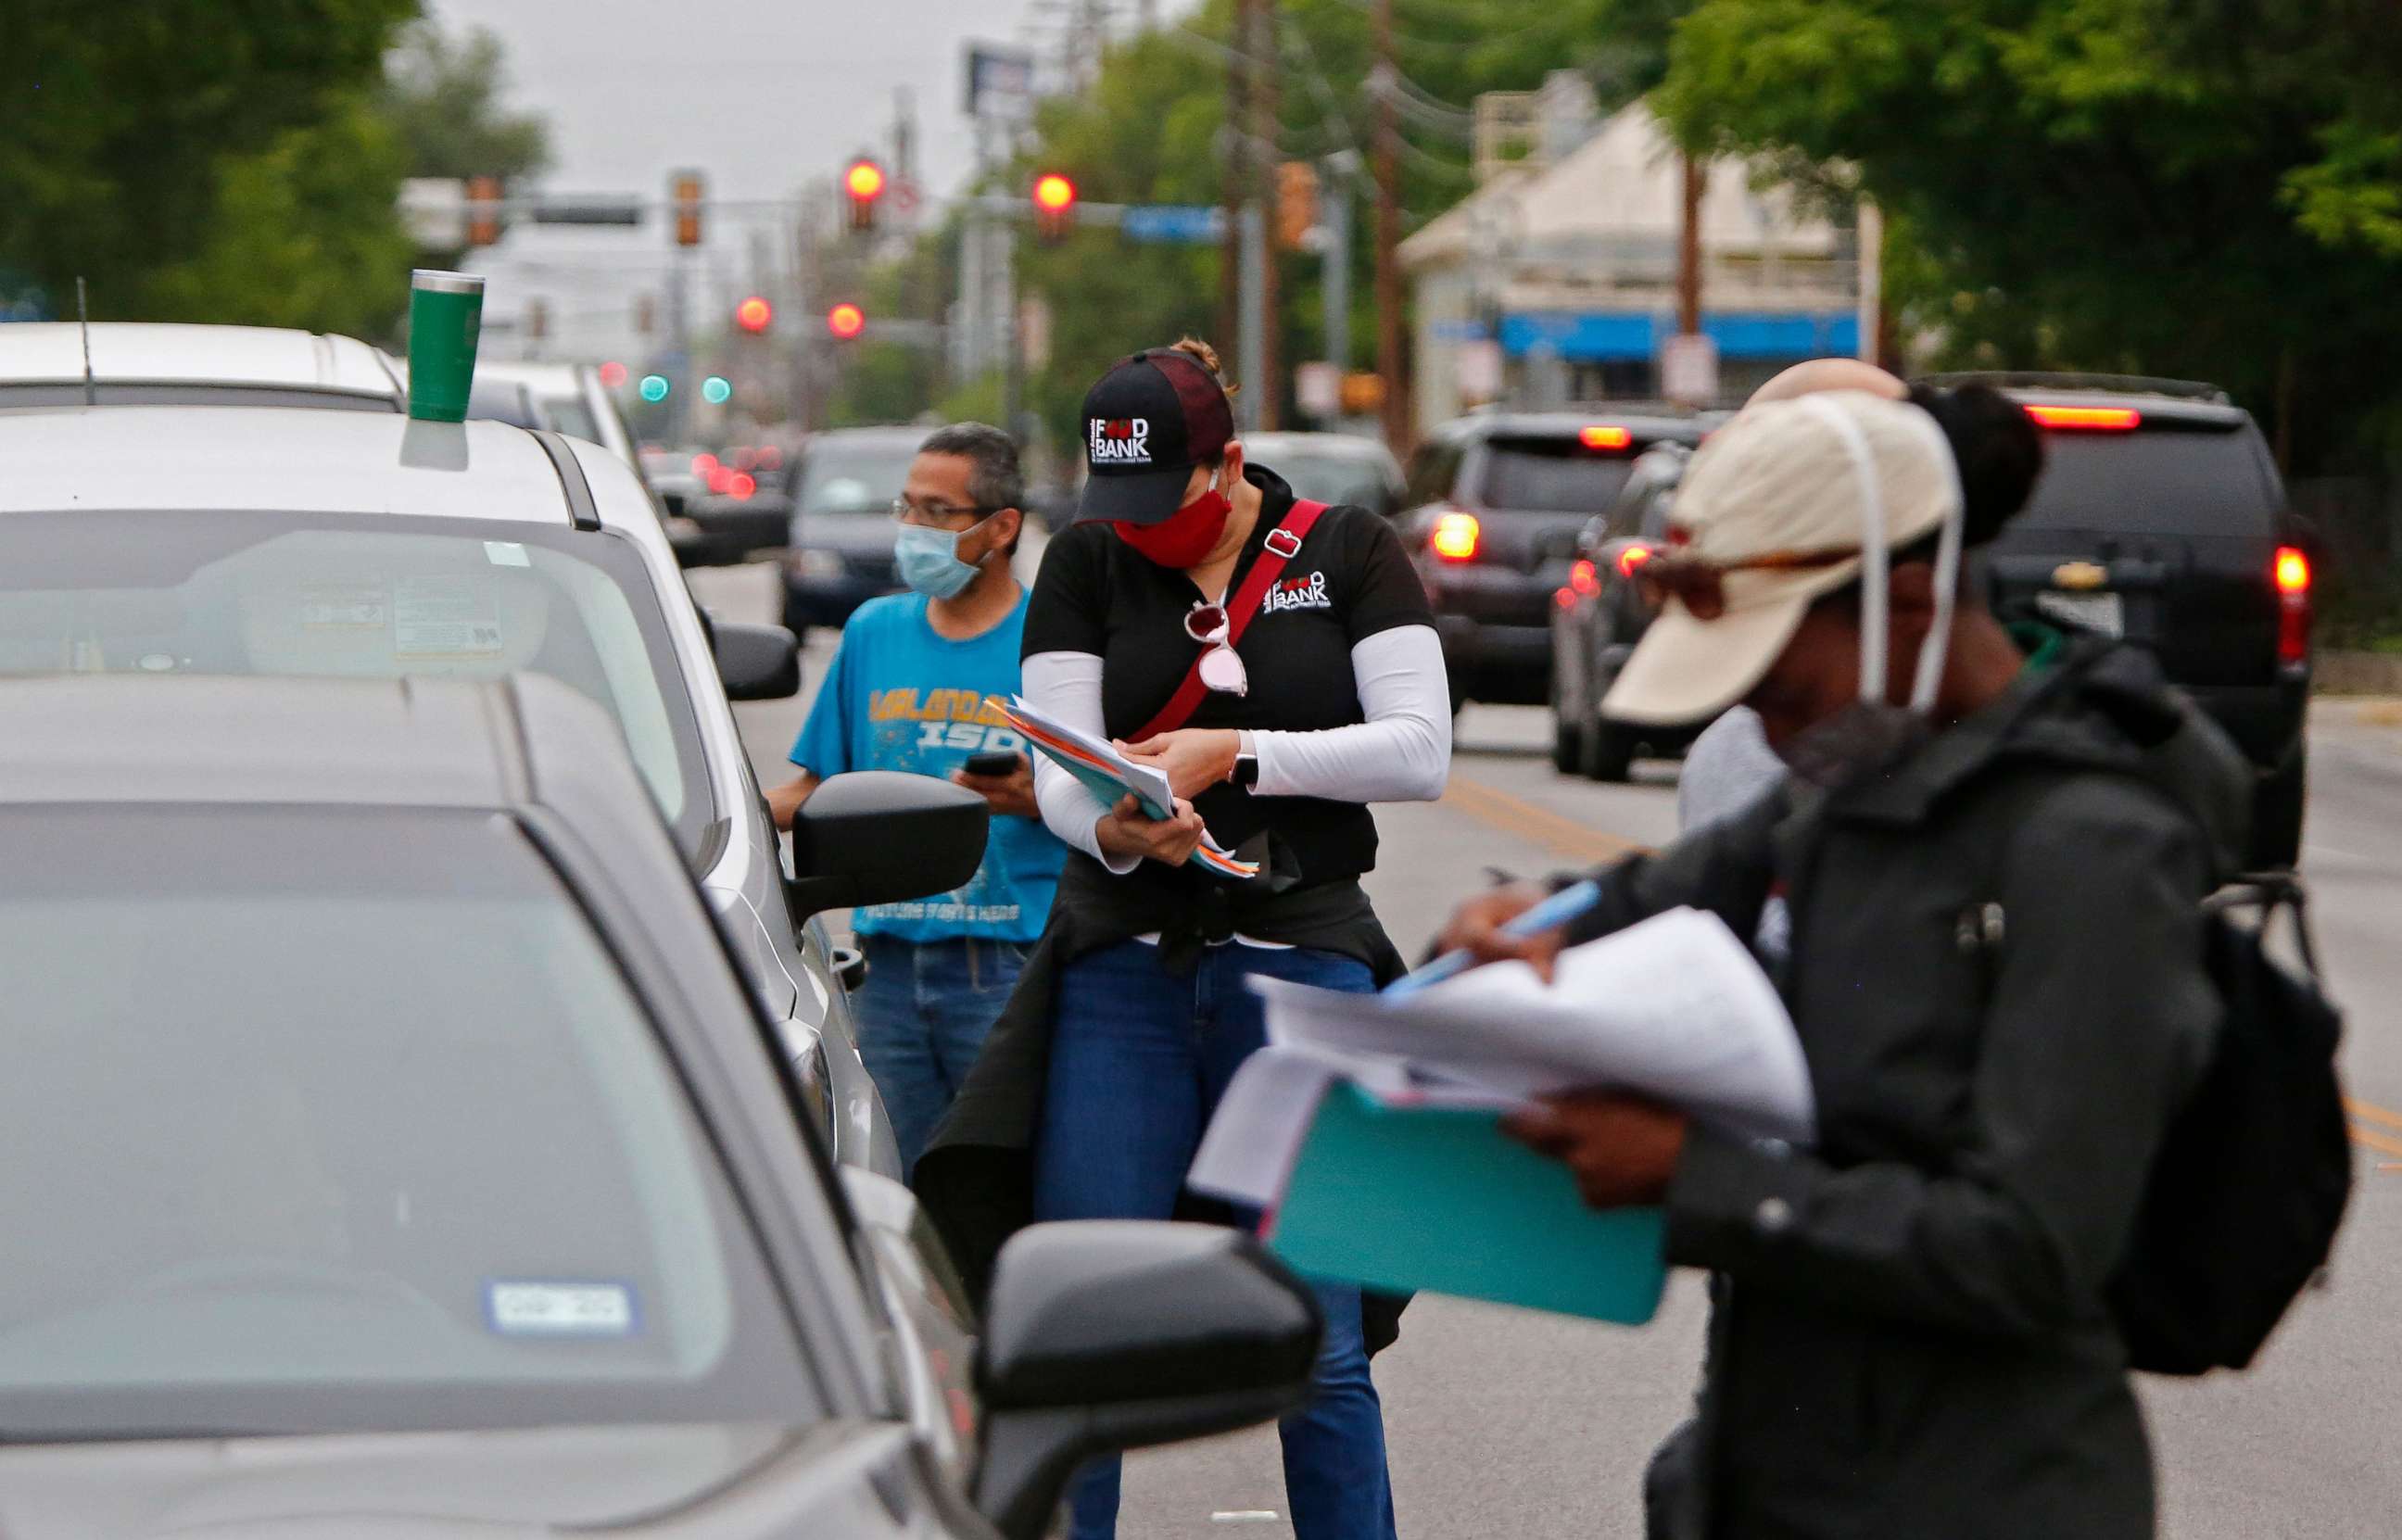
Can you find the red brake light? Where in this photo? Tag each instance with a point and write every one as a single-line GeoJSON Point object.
{"type": "Point", "coordinates": [721, 479]}
{"type": "Point", "coordinates": [1456, 537]}
{"type": "Point", "coordinates": [1604, 435]}
{"type": "Point", "coordinates": [703, 465]}
{"type": "Point", "coordinates": [2293, 571]}
{"type": "Point", "coordinates": [740, 485]}
{"type": "Point", "coordinates": [1632, 558]}
{"type": "Point", "coordinates": [1584, 578]}
{"type": "Point", "coordinates": [2091, 419]}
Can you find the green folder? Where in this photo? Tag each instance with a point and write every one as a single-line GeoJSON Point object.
{"type": "Point", "coordinates": [1438, 1199]}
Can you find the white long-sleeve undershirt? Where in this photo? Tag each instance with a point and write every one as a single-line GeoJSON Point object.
{"type": "Point", "coordinates": [1402, 752]}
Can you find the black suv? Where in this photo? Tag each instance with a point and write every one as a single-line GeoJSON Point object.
{"type": "Point", "coordinates": [2161, 518]}
{"type": "Point", "coordinates": [1600, 613]}
{"type": "Point", "coordinates": [1494, 502]}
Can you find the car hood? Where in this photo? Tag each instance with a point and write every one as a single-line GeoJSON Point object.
{"type": "Point", "coordinates": [433, 1485]}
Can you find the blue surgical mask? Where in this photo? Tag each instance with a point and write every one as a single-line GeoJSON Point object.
{"type": "Point", "coordinates": [928, 559]}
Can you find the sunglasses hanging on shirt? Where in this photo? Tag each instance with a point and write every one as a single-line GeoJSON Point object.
{"type": "Point", "coordinates": [1222, 666]}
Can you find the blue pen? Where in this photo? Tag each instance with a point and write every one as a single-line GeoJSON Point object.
{"type": "Point", "coordinates": [1557, 909]}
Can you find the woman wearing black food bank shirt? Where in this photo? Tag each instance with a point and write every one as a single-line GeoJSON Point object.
{"type": "Point", "coordinates": [1134, 1015]}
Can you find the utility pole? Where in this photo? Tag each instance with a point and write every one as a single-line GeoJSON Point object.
{"type": "Point", "coordinates": [1269, 381]}
{"type": "Point", "coordinates": [1236, 172]}
{"type": "Point", "coordinates": [1689, 251]}
{"type": "Point", "coordinates": [1334, 261]}
{"type": "Point", "coordinates": [1391, 362]}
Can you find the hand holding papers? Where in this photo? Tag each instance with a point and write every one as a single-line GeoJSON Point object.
{"type": "Point", "coordinates": [1356, 1089]}
{"type": "Point", "coordinates": [1110, 776]}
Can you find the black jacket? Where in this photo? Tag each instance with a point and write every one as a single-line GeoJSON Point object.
{"type": "Point", "coordinates": [1996, 974]}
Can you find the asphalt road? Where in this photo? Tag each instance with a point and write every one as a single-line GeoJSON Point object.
{"type": "Point", "coordinates": [1509, 1422]}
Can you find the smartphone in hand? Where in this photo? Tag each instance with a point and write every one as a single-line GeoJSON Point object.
{"type": "Point", "coordinates": [1002, 762]}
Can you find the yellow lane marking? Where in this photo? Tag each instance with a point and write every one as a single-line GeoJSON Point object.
{"type": "Point", "coordinates": [2371, 1112]}
{"type": "Point", "coordinates": [2381, 1143]}
{"type": "Point", "coordinates": [1554, 831]}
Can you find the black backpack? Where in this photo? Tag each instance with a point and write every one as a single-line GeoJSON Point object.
{"type": "Point", "coordinates": [2251, 1181]}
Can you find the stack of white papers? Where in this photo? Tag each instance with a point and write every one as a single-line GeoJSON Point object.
{"type": "Point", "coordinates": [1109, 774]}
{"type": "Point", "coordinates": [1673, 1009]}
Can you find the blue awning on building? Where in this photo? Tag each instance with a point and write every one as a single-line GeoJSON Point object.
{"type": "Point", "coordinates": [1600, 337]}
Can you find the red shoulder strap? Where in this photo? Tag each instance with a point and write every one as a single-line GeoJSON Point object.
{"type": "Point", "coordinates": [1283, 544]}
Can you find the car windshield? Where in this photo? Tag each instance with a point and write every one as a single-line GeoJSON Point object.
{"type": "Point", "coordinates": [855, 478]}
{"type": "Point", "coordinates": [1334, 478]}
{"type": "Point", "coordinates": [357, 596]}
{"type": "Point", "coordinates": [2152, 483]}
{"type": "Point", "coordinates": [1550, 476]}
{"type": "Point", "coordinates": [569, 415]}
{"type": "Point", "coordinates": [288, 1176]}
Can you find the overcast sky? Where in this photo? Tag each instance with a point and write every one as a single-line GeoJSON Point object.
{"type": "Point", "coordinates": [763, 96]}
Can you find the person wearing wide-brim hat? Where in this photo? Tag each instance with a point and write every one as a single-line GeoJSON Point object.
{"type": "Point", "coordinates": [1993, 846]}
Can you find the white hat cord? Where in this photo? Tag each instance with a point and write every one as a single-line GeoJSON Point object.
{"type": "Point", "coordinates": [1876, 560]}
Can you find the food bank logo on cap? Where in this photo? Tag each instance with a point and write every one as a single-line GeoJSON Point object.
{"type": "Point", "coordinates": [1119, 440]}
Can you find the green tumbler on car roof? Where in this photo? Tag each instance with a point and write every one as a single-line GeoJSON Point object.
{"type": "Point", "coordinates": [446, 319]}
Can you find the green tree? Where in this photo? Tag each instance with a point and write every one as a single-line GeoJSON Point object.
{"type": "Point", "coordinates": [119, 130]}
{"type": "Point", "coordinates": [2197, 188]}
{"type": "Point", "coordinates": [443, 95]}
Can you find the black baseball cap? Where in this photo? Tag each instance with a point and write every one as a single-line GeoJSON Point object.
{"type": "Point", "coordinates": [1151, 418]}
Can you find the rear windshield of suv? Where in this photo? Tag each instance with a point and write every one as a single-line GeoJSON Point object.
{"type": "Point", "coordinates": [1549, 475]}
{"type": "Point", "coordinates": [2152, 482]}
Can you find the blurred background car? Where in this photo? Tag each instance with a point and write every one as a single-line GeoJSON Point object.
{"type": "Point", "coordinates": [144, 363]}
{"type": "Point", "coordinates": [464, 1193]}
{"type": "Point", "coordinates": [2161, 518]}
{"type": "Point", "coordinates": [839, 548]}
{"type": "Point", "coordinates": [1497, 501]}
{"type": "Point", "coordinates": [1332, 468]}
{"type": "Point", "coordinates": [1600, 613]}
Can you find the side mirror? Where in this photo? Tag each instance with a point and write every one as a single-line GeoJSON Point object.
{"type": "Point", "coordinates": [756, 662]}
{"type": "Point", "coordinates": [1104, 1335]}
{"type": "Point", "coordinates": [879, 836]}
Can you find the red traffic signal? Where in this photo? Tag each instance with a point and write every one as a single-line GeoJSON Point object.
{"type": "Point", "coordinates": [846, 321]}
{"type": "Point", "coordinates": [1055, 205]}
{"type": "Point", "coordinates": [754, 314]}
{"type": "Point", "coordinates": [864, 184]}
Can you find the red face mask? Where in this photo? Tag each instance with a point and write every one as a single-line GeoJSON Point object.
{"type": "Point", "coordinates": [1185, 537]}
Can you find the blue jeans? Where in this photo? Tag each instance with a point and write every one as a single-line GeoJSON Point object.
{"type": "Point", "coordinates": [922, 1017]}
{"type": "Point", "coordinates": [1139, 1061]}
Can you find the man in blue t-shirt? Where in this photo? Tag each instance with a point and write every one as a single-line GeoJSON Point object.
{"type": "Point", "coordinates": [909, 690]}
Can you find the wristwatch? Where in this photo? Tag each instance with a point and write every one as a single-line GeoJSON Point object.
{"type": "Point", "coordinates": [1246, 773]}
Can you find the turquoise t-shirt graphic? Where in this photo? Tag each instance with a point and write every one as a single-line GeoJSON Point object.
{"type": "Point", "coordinates": [900, 697]}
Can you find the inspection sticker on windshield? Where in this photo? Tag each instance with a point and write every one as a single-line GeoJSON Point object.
{"type": "Point", "coordinates": [529, 1307]}
{"type": "Point", "coordinates": [443, 617]}
{"type": "Point", "coordinates": [347, 608]}
{"type": "Point", "coordinates": [505, 553]}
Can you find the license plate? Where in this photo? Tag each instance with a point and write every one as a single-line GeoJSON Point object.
{"type": "Point", "coordinates": [2103, 613]}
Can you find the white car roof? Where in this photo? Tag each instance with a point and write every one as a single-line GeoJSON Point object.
{"type": "Point", "coordinates": [204, 458]}
{"type": "Point", "coordinates": [549, 379]}
{"type": "Point", "coordinates": [124, 351]}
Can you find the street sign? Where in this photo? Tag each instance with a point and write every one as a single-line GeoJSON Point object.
{"type": "Point", "coordinates": [1198, 224]}
{"type": "Point", "coordinates": [1451, 330]}
{"type": "Point", "coordinates": [999, 81]}
{"type": "Point", "coordinates": [1688, 369]}
{"type": "Point", "coordinates": [1317, 389]}
{"type": "Point", "coordinates": [433, 210]}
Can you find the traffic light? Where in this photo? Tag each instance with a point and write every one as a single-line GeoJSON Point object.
{"type": "Point", "coordinates": [1296, 209]}
{"type": "Point", "coordinates": [846, 321]}
{"type": "Point", "coordinates": [654, 388]}
{"type": "Point", "coordinates": [864, 184]}
{"type": "Point", "coordinates": [716, 390]}
{"type": "Point", "coordinates": [688, 196]}
{"type": "Point", "coordinates": [483, 210]}
{"type": "Point", "coordinates": [1054, 207]}
{"type": "Point", "coordinates": [613, 373]}
{"type": "Point", "coordinates": [754, 314]}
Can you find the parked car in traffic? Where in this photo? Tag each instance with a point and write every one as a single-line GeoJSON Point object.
{"type": "Point", "coordinates": [413, 1159]}
{"type": "Point", "coordinates": [1600, 613]}
{"type": "Point", "coordinates": [1332, 468]}
{"type": "Point", "coordinates": [211, 540]}
{"type": "Point", "coordinates": [2161, 518]}
{"type": "Point", "coordinates": [43, 363]}
{"type": "Point", "coordinates": [838, 550]}
{"type": "Point", "coordinates": [1495, 502]}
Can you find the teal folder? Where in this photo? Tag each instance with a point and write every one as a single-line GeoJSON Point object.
{"type": "Point", "coordinates": [1438, 1199]}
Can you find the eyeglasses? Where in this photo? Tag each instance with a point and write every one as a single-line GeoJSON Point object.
{"type": "Point", "coordinates": [933, 512]}
{"type": "Point", "coordinates": [1700, 585]}
{"type": "Point", "coordinates": [1222, 666]}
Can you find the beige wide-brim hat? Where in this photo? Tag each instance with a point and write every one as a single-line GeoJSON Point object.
{"type": "Point", "coordinates": [1792, 476]}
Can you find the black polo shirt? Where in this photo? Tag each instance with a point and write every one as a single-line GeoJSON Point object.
{"type": "Point", "coordinates": [1351, 579]}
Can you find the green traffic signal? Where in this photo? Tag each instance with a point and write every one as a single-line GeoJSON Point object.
{"type": "Point", "coordinates": [716, 390]}
{"type": "Point", "coordinates": [654, 386]}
